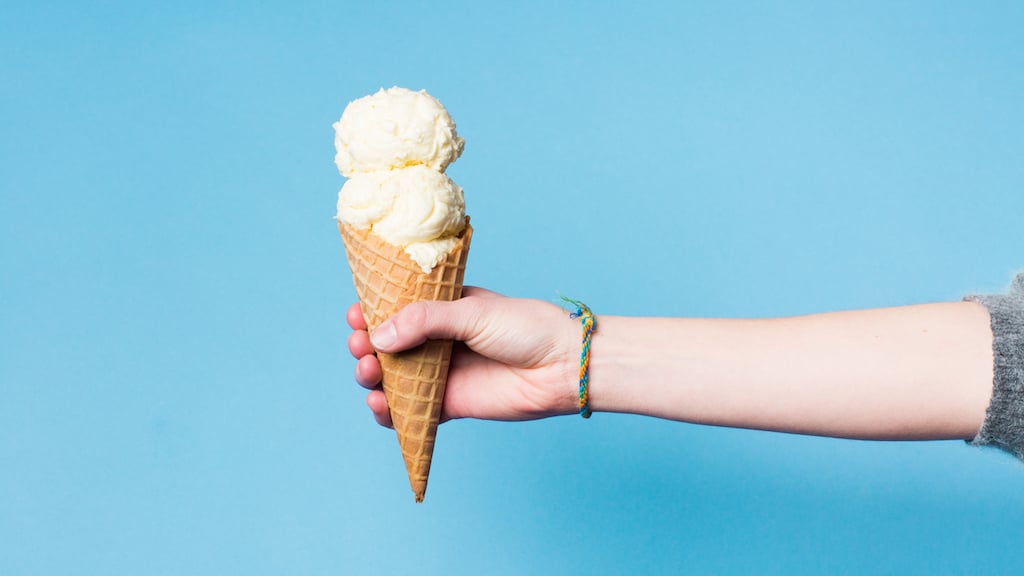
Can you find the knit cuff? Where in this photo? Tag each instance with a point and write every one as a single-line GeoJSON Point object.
{"type": "Point", "coordinates": [1004, 419]}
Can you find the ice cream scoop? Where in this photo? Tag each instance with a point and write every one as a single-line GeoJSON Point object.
{"type": "Point", "coordinates": [415, 208]}
{"type": "Point", "coordinates": [395, 128]}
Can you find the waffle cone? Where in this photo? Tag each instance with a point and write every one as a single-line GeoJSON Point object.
{"type": "Point", "coordinates": [386, 280]}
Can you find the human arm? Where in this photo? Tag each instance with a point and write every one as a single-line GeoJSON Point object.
{"type": "Point", "coordinates": [915, 372]}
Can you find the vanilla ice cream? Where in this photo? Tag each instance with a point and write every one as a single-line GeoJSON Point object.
{"type": "Point", "coordinates": [416, 208]}
{"type": "Point", "coordinates": [394, 147]}
{"type": "Point", "coordinates": [395, 128]}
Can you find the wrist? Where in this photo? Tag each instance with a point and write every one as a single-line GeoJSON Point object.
{"type": "Point", "coordinates": [627, 371]}
{"type": "Point", "coordinates": [566, 401]}
{"type": "Point", "coordinates": [604, 366]}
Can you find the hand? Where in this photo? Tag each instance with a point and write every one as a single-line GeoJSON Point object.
{"type": "Point", "coordinates": [513, 359]}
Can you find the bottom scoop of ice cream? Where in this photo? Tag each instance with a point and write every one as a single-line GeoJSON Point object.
{"type": "Point", "coordinates": [416, 208]}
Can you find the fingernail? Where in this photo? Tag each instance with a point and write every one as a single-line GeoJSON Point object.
{"type": "Point", "coordinates": [384, 336]}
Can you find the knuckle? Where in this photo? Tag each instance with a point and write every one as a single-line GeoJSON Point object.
{"type": "Point", "coordinates": [415, 314]}
{"type": "Point", "coordinates": [474, 310]}
{"type": "Point", "coordinates": [472, 307]}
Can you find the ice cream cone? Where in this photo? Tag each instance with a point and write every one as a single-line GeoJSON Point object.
{"type": "Point", "coordinates": [386, 280]}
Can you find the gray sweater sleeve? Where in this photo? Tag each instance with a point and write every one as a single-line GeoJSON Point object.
{"type": "Point", "coordinates": [1004, 419]}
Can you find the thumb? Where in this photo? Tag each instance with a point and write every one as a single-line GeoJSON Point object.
{"type": "Point", "coordinates": [420, 321]}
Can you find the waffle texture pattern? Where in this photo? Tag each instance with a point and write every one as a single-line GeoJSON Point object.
{"type": "Point", "coordinates": [386, 280]}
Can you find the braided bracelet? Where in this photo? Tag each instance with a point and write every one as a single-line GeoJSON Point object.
{"type": "Point", "coordinates": [589, 325]}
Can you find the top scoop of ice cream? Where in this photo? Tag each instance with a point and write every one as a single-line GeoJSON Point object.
{"type": "Point", "coordinates": [392, 129]}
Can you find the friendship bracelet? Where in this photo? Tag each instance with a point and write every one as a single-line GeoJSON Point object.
{"type": "Point", "coordinates": [589, 325]}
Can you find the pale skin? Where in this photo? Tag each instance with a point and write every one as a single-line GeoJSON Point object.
{"type": "Point", "coordinates": [921, 372]}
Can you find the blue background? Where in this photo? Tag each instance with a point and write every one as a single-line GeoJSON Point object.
{"type": "Point", "coordinates": [175, 392]}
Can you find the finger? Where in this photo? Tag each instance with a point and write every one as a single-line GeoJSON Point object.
{"type": "Point", "coordinates": [354, 316]}
{"type": "Point", "coordinates": [359, 344]}
{"type": "Point", "coordinates": [418, 321]}
{"type": "Point", "coordinates": [368, 372]}
{"type": "Point", "coordinates": [477, 292]}
{"type": "Point", "coordinates": [379, 406]}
